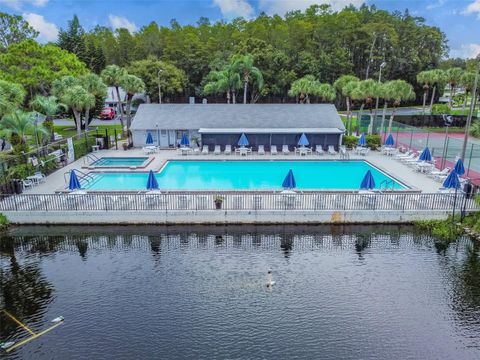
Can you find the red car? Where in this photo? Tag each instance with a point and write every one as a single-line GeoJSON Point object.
{"type": "Point", "coordinates": [107, 114]}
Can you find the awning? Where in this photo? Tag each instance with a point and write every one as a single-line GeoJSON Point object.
{"type": "Point", "coordinates": [270, 131]}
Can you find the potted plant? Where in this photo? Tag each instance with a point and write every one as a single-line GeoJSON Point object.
{"type": "Point", "coordinates": [218, 200]}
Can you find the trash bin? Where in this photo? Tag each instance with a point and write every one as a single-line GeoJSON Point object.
{"type": "Point", "coordinates": [469, 190]}
{"type": "Point", "coordinates": [18, 185]}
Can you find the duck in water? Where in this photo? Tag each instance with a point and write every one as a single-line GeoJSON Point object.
{"type": "Point", "coordinates": [270, 281]}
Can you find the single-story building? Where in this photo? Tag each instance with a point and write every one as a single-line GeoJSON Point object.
{"type": "Point", "coordinates": [222, 124]}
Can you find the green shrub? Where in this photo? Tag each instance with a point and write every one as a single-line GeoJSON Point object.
{"type": "Point", "coordinates": [350, 141]}
{"type": "Point", "coordinates": [439, 109]}
{"type": "Point", "coordinates": [3, 222]}
{"type": "Point", "coordinates": [21, 171]}
{"type": "Point", "coordinates": [80, 148]}
{"type": "Point", "coordinates": [445, 230]}
{"type": "Point", "coordinates": [373, 141]}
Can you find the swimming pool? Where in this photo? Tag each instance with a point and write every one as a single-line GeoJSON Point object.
{"type": "Point", "coordinates": [246, 175]}
{"type": "Point", "coordinates": [119, 161]}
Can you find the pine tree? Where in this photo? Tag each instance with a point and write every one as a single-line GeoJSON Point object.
{"type": "Point", "coordinates": [72, 39]}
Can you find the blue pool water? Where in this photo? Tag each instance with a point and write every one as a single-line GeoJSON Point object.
{"type": "Point", "coordinates": [120, 161]}
{"type": "Point", "coordinates": [238, 175]}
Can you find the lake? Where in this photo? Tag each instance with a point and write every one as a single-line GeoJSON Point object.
{"type": "Point", "coordinates": [341, 292]}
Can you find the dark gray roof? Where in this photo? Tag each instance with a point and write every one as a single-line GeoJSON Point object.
{"type": "Point", "coordinates": [225, 116]}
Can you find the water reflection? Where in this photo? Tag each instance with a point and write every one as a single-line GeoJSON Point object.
{"type": "Point", "coordinates": [202, 289]}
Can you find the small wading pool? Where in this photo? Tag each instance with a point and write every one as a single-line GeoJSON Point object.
{"type": "Point", "coordinates": [119, 161]}
{"type": "Point", "coordinates": [246, 175]}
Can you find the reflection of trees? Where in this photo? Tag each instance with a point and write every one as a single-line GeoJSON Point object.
{"type": "Point", "coordinates": [24, 292]}
{"type": "Point", "coordinates": [466, 283]}
{"type": "Point", "coordinates": [362, 242]}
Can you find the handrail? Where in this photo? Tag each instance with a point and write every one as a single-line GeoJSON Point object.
{"type": "Point", "coordinates": [92, 157]}
{"type": "Point", "coordinates": [387, 182]}
{"type": "Point", "coordinates": [83, 176]}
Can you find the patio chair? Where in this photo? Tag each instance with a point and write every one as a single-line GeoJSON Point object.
{"type": "Point", "coordinates": [435, 173]}
{"type": "Point", "coordinates": [228, 150]}
{"type": "Point", "coordinates": [331, 150]}
{"type": "Point", "coordinates": [319, 150]}
{"type": "Point", "coordinates": [40, 177]}
{"type": "Point", "coordinates": [196, 150]}
{"type": "Point", "coordinates": [261, 150]}
{"type": "Point", "coordinates": [403, 155]}
{"type": "Point", "coordinates": [217, 150]}
{"type": "Point", "coordinates": [205, 150]}
{"type": "Point", "coordinates": [273, 150]}
{"type": "Point", "coordinates": [28, 184]}
{"type": "Point", "coordinates": [285, 150]}
{"type": "Point", "coordinates": [365, 152]}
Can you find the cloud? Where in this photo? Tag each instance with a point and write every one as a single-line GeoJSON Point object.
{"type": "Point", "coordinates": [118, 22]}
{"type": "Point", "coordinates": [281, 7]}
{"type": "Point", "coordinates": [466, 51]}
{"type": "Point", "coordinates": [473, 8]}
{"type": "Point", "coordinates": [438, 4]}
{"type": "Point", "coordinates": [48, 31]}
{"type": "Point", "coordinates": [235, 8]}
{"type": "Point", "coordinates": [18, 4]}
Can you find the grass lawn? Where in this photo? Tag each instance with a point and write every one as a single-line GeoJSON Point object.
{"type": "Point", "coordinates": [69, 130]}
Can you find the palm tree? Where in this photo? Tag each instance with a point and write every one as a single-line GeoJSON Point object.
{"type": "Point", "coordinates": [467, 80]}
{"type": "Point", "coordinates": [397, 91]}
{"type": "Point", "coordinates": [453, 77]}
{"type": "Point", "coordinates": [426, 78]}
{"type": "Point", "coordinates": [304, 87]}
{"type": "Point", "coordinates": [248, 72]}
{"type": "Point", "coordinates": [438, 79]}
{"type": "Point", "coordinates": [112, 75]}
{"type": "Point", "coordinates": [94, 85]}
{"type": "Point", "coordinates": [342, 85]}
{"type": "Point", "coordinates": [366, 91]}
{"type": "Point", "coordinates": [327, 92]}
{"type": "Point", "coordinates": [19, 124]}
{"type": "Point", "coordinates": [132, 85]}
{"type": "Point", "coordinates": [11, 97]}
{"type": "Point", "coordinates": [49, 107]}
{"type": "Point", "coordinates": [78, 99]}
{"type": "Point", "coordinates": [224, 81]}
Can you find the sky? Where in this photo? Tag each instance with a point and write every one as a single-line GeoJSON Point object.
{"type": "Point", "coordinates": [459, 19]}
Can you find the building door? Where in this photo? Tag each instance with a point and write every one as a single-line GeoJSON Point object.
{"type": "Point", "coordinates": [163, 138]}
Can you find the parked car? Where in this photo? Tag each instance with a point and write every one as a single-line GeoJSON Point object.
{"type": "Point", "coordinates": [107, 114]}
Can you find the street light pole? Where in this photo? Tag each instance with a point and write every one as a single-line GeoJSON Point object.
{"type": "Point", "coordinates": [382, 65]}
{"type": "Point", "coordinates": [472, 109]}
{"type": "Point", "coordinates": [159, 87]}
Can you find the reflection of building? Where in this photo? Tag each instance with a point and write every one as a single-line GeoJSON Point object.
{"type": "Point", "coordinates": [222, 124]}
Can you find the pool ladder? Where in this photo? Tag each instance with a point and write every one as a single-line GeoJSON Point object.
{"type": "Point", "coordinates": [387, 184]}
{"type": "Point", "coordinates": [90, 157]}
{"type": "Point", "coordinates": [81, 176]}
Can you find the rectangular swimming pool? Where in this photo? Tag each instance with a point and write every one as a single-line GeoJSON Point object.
{"type": "Point", "coordinates": [246, 175]}
{"type": "Point", "coordinates": [119, 161]}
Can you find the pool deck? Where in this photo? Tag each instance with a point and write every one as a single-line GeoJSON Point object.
{"type": "Point", "coordinates": [401, 172]}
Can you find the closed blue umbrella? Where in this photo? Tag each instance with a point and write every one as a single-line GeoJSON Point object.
{"type": "Point", "coordinates": [452, 181]}
{"type": "Point", "coordinates": [149, 140]}
{"type": "Point", "coordinates": [362, 141]}
{"type": "Point", "coordinates": [243, 141]}
{"type": "Point", "coordinates": [289, 181]}
{"type": "Point", "coordinates": [152, 182]}
{"type": "Point", "coordinates": [74, 183]}
{"type": "Point", "coordinates": [425, 155]}
{"type": "Point", "coordinates": [459, 168]}
{"type": "Point", "coordinates": [368, 181]}
{"type": "Point", "coordinates": [303, 140]}
{"type": "Point", "coordinates": [185, 141]}
{"type": "Point", "coordinates": [390, 141]}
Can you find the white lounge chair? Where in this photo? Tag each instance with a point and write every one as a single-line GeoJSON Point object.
{"type": "Point", "coordinates": [435, 173]}
{"type": "Point", "coordinates": [217, 150]}
{"type": "Point", "coordinates": [205, 150]}
{"type": "Point", "coordinates": [273, 150]}
{"type": "Point", "coordinates": [285, 150]}
{"type": "Point", "coordinates": [331, 150]}
{"type": "Point", "coordinates": [228, 150]}
{"type": "Point", "coordinates": [319, 150]}
{"type": "Point", "coordinates": [261, 150]}
{"type": "Point", "coordinates": [28, 184]}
